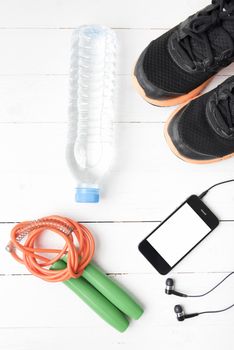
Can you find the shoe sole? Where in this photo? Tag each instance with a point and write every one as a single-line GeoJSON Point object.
{"type": "Point", "coordinates": [173, 101]}
{"type": "Point", "coordinates": [174, 149]}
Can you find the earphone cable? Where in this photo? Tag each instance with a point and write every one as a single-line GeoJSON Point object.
{"type": "Point", "coordinates": [201, 196]}
{"type": "Point", "coordinates": [211, 290]}
{"type": "Point", "coordinates": [215, 311]}
{"type": "Point", "coordinates": [219, 183]}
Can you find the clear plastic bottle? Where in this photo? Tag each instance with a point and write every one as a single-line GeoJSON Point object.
{"type": "Point", "coordinates": [91, 112]}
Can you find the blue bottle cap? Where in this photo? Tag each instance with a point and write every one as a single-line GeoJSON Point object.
{"type": "Point", "coordinates": [87, 195]}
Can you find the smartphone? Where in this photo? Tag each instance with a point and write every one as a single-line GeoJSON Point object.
{"type": "Point", "coordinates": [178, 234]}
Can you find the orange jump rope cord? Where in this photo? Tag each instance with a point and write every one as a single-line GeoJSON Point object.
{"type": "Point", "coordinates": [78, 257]}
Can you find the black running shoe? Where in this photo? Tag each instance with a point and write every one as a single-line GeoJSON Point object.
{"type": "Point", "coordinates": [178, 65]}
{"type": "Point", "coordinates": [202, 131]}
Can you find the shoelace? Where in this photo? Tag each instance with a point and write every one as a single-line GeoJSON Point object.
{"type": "Point", "coordinates": [225, 113]}
{"type": "Point", "coordinates": [198, 31]}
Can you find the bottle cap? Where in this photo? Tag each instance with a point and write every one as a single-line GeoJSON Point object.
{"type": "Point", "coordinates": [87, 195]}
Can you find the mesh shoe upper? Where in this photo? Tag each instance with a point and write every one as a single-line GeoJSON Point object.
{"type": "Point", "coordinates": [195, 133]}
{"type": "Point", "coordinates": [164, 73]}
{"type": "Point", "coordinates": [189, 54]}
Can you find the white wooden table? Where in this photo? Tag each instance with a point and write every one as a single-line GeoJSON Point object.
{"type": "Point", "coordinates": [146, 184]}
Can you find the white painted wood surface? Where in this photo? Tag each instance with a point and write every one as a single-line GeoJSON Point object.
{"type": "Point", "coordinates": [146, 183]}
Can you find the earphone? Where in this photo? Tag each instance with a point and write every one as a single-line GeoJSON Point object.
{"type": "Point", "coordinates": [170, 286]}
{"type": "Point", "coordinates": [180, 314]}
{"type": "Point", "coordinates": [179, 310]}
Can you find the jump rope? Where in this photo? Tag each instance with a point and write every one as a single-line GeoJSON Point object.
{"type": "Point", "coordinates": [93, 61]}
{"type": "Point", "coordinates": [72, 265]}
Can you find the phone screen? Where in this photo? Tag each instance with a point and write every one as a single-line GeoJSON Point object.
{"type": "Point", "coordinates": [178, 234]}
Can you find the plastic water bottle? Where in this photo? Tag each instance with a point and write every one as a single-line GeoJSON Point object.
{"type": "Point", "coordinates": [91, 112]}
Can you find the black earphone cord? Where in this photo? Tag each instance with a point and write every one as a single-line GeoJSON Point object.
{"type": "Point", "coordinates": [231, 273]}
{"type": "Point", "coordinates": [210, 188]}
{"type": "Point", "coordinates": [215, 311]}
{"type": "Point", "coordinates": [211, 290]}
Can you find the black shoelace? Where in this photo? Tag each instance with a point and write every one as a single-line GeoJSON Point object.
{"type": "Point", "coordinates": [225, 113]}
{"type": "Point", "coordinates": [197, 30]}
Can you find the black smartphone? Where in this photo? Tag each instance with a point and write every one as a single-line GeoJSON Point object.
{"type": "Point", "coordinates": [178, 234]}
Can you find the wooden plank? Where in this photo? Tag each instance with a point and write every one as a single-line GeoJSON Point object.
{"type": "Point", "coordinates": [117, 252]}
{"type": "Point", "coordinates": [45, 99]}
{"type": "Point", "coordinates": [70, 13]}
{"type": "Point", "coordinates": [49, 305]}
{"type": "Point", "coordinates": [188, 335]}
{"type": "Point", "coordinates": [47, 51]}
{"type": "Point", "coordinates": [146, 182]}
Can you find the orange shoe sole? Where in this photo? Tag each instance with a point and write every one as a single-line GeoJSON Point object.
{"type": "Point", "coordinates": [173, 101]}
{"type": "Point", "coordinates": [174, 149]}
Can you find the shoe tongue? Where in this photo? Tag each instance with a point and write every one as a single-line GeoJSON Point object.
{"type": "Point", "coordinates": [229, 27]}
{"type": "Point", "coordinates": [231, 106]}
{"type": "Point", "coordinates": [219, 40]}
{"type": "Point", "coordinates": [216, 112]}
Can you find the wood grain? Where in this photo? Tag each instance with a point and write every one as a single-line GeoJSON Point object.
{"type": "Point", "coordinates": [71, 13]}
{"type": "Point", "coordinates": [145, 184]}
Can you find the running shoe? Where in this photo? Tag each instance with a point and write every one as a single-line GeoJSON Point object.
{"type": "Point", "coordinates": [179, 64]}
{"type": "Point", "coordinates": [202, 131]}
